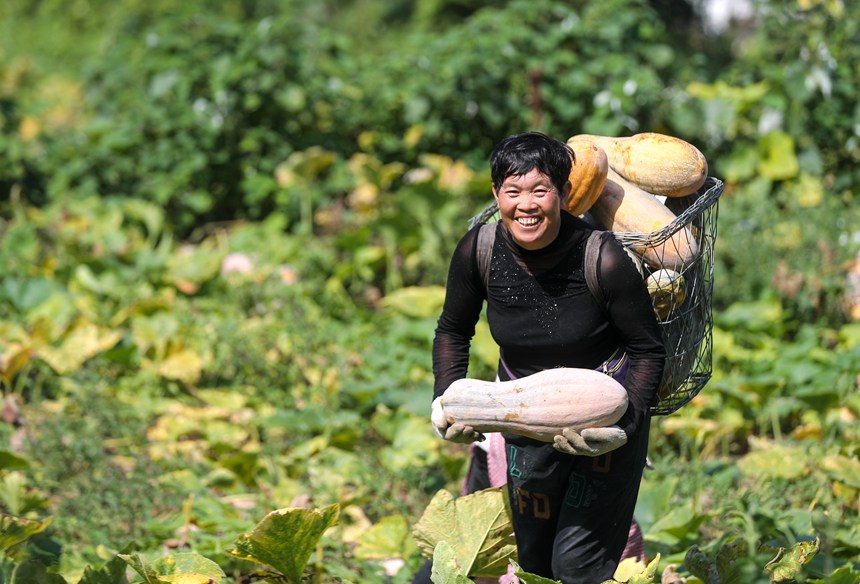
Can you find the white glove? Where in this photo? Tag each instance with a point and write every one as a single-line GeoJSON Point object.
{"type": "Point", "coordinates": [590, 441]}
{"type": "Point", "coordinates": [451, 432]}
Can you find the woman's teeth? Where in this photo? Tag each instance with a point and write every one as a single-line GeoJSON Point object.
{"type": "Point", "coordinates": [528, 221]}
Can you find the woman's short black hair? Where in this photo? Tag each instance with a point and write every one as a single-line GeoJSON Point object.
{"type": "Point", "coordinates": [517, 155]}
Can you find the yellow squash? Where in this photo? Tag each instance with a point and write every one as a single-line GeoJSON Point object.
{"type": "Point", "coordinates": [625, 208]}
{"type": "Point", "coordinates": [658, 163]}
{"type": "Point", "coordinates": [587, 175]}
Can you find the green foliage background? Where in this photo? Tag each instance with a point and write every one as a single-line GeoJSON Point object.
{"type": "Point", "coordinates": [224, 231]}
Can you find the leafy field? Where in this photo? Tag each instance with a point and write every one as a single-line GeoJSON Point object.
{"type": "Point", "coordinates": [222, 249]}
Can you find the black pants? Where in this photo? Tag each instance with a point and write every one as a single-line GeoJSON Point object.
{"type": "Point", "coordinates": [572, 514]}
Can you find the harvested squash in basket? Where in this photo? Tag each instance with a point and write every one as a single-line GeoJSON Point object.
{"type": "Point", "coordinates": [658, 163]}
{"type": "Point", "coordinates": [626, 208]}
{"type": "Point", "coordinates": [587, 175]}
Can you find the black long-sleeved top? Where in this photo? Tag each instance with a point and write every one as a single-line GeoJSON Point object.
{"type": "Point", "coordinates": [542, 314]}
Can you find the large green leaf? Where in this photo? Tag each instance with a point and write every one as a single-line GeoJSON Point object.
{"type": "Point", "coordinates": [843, 469]}
{"type": "Point", "coordinates": [445, 569]}
{"type": "Point", "coordinates": [35, 572]}
{"type": "Point", "coordinates": [416, 301]}
{"type": "Point", "coordinates": [184, 568]}
{"type": "Point", "coordinates": [388, 538]}
{"type": "Point", "coordinates": [113, 572]}
{"type": "Point", "coordinates": [285, 539]}
{"type": "Point", "coordinates": [527, 578]}
{"type": "Point", "coordinates": [15, 530]}
{"type": "Point", "coordinates": [771, 460]}
{"type": "Point", "coordinates": [478, 527]}
{"type": "Point", "coordinates": [788, 564]}
{"type": "Point", "coordinates": [778, 157]}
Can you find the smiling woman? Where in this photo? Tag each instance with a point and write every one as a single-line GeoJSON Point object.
{"type": "Point", "coordinates": [543, 317]}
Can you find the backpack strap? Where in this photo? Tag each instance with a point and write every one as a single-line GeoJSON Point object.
{"type": "Point", "coordinates": [486, 239]}
{"type": "Point", "coordinates": [589, 266]}
{"type": "Point", "coordinates": [484, 253]}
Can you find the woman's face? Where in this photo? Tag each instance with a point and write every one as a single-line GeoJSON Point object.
{"type": "Point", "coordinates": [530, 207]}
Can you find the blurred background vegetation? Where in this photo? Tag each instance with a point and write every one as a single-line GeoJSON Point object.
{"type": "Point", "coordinates": [256, 201]}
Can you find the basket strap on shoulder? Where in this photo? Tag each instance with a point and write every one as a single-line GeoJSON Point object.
{"type": "Point", "coordinates": [486, 239]}
{"type": "Point", "coordinates": [592, 253]}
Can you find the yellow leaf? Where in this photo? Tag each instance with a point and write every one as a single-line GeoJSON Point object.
{"type": "Point", "coordinates": [185, 366]}
{"type": "Point", "coordinates": [13, 359]}
{"type": "Point", "coordinates": [83, 342]}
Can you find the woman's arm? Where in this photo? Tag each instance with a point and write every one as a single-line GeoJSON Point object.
{"type": "Point", "coordinates": [632, 316]}
{"type": "Point", "coordinates": [464, 297]}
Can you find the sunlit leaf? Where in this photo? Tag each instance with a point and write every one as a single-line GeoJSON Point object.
{"type": "Point", "coordinates": [415, 301]}
{"type": "Point", "coordinates": [83, 342]}
{"type": "Point", "coordinates": [185, 366]}
{"type": "Point", "coordinates": [412, 442]}
{"type": "Point", "coordinates": [788, 564]}
{"type": "Point", "coordinates": [843, 575]}
{"type": "Point", "coordinates": [478, 527]}
{"type": "Point", "coordinates": [184, 568]}
{"type": "Point", "coordinates": [445, 567]}
{"type": "Point", "coordinates": [843, 469]}
{"type": "Point", "coordinates": [647, 574]}
{"type": "Point", "coordinates": [388, 538]}
{"type": "Point", "coordinates": [12, 359]}
{"type": "Point", "coordinates": [528, 578]}
{"type": "Point", "coordinates": [774, 461]}
{"type": "Point", "coordinates": [285, 539]}
{"type": "Point", "coordinates": [14, 530]}
{"type": "Point", "coordinates": [113, 572]}
{"type": "Point", "coordinates": [778, 157]}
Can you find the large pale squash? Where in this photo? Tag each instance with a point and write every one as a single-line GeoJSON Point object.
{"type": "Point", "coordinates": [659, 164]}
{"type": "Point", "coordinates": [538, 406]}
{"type": "Point", "coordinates": [587, 175]}
{"type": "Point", "coordinates": [624, 207]}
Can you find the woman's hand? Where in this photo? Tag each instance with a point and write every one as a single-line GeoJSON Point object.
{"type": "Point", "coordinates": [590, 441]}
{"type": "Point", "coordinates": [452, 432]}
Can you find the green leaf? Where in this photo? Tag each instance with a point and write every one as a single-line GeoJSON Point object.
{"type": "Point", "coordinates": [774, 461]}
{"type": "Point", "coordinates": [788, 564]}
{"type": "Point", "coordinates": [528, 578]}
{"type": "Point", "coordinates": [113, 572]}
{"type": "Point", "coordinates": [35, 572]}
{"type": "Point", "coordinates": [388, 538]}
{"type": "Point", "coordinates": [478, 527]}
{"type": "Point", "coordinates": [843, 575]}
{"type": "Point", "coordinates": [701, 566]}
{"type": "Point", "coordinates": [778, 157]}
{"type": "Point", "coordinates": [15, 530]}
{"type": "Point", "coordinates": [285, 539]}
{"type": "Point", "coordinates": [84, 341]}
{"type": "Point", "coordinates": [11, 461]}
{"type": "Point", "coordinates": [412, 443]}
{"type": "Point", "coordinates": [445, 568]}
{"type": "Point", "coordinates": [647, 575]}
{"type": "Point", "coordinates": [184, 568]}
{"type": "Point", "coordinates": [416, 301]}
{"type": "Point", "coordinates": [843, 469]}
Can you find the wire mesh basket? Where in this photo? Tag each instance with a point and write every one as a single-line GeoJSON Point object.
{"type": "Point", "coordinates": [678, 263]}
{"type": "Point", "coordinates": [682, 296]}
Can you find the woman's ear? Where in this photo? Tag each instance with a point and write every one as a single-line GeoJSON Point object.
{"type": "Point", "coordinates": [495, 194]}
{"type": "Point", "coordinates": [565, 193]}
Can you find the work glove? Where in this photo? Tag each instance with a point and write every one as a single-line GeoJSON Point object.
{"type": "Point", "coordinates": [590, 441]}
{"type": "Point", "coordinates": [452, 432]}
